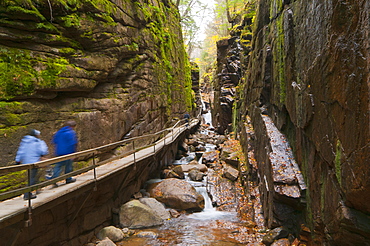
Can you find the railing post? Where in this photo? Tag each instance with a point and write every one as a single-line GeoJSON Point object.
{"type": "Point", "coordinates": [154, 143]}
{"type": "Point", "coordinates": [95, 152]}
{"type": "Point", "coordinates": [133, 146]}
{"type": "Point", "coordinates": [94, 164]}
{"type": "Point", "coordinates": [29, 221]}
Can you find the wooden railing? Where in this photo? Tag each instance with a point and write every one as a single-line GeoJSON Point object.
{"type": "Point", "coordinates": [91, 153]}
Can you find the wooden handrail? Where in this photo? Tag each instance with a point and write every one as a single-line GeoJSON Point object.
{"type": "Point", "coordinates": [93, 152]}
{"type": "Point", "coordinates": [54, 160]}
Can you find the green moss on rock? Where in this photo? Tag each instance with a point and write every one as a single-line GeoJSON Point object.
{"type": "Point", "coordinates": [13, 181]}
{"type": "Point", "coordinates": [279, 58]}
{"type": "Point", "coordinates": [338, 164]}
{"type": "Point", "coordinates": [23, 73]}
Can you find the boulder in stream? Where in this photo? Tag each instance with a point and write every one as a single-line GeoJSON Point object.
{"type": "Point", "coordinates": [201, 148]}
{"type": "Point", "coordinates": [196, 175]}
{"type": "Point", "coordinates": [210, 157]}
{"type": "Point", "coordinates": [157, 207]}
{"type": "Point", "coordinates": [176, 173]}
{"type": "Point", "coordinates": [174, 213]}
{"type": "Point", "coordinates": [230, 172]}
{"type": "Point", "coordinates": [106, 242]}
{"type": "Point", "coordinates": [113, 233]}
{"type": "Point", "coordinates": [231, 159]}
{"type": "Point", "coordinates": [147, 234]}
{"type": "Point", "coordinates": [220, 139]}
{"type": "Point", "coordinates": [193, 165]}
{"type": "Point", "coordinates": [281, 242]}
{"type": "Point", "coordinates": [135, 214]}
{"type": "Point", "coordinates": [274, 234]}
{"type": "Point", "coordinates": [178, 194]}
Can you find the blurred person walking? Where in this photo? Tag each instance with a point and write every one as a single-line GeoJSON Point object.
{"type": "Point", "coordinates": [30, 150]}
{"type": "Point", "coordinates": [65, 141]}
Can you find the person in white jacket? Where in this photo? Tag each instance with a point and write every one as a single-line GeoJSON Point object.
{"type": "Point", "coordinates": [30, 150]}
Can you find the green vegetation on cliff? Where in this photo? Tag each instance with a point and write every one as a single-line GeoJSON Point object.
{"type": "Point", "coordinates": [279, 57]}
{"type": "Point", "coordinates": [166, 35]}
{"type": "Point", "coordinates": [338, 164]}
{"type": "Point", "coordinates": [23, 72]}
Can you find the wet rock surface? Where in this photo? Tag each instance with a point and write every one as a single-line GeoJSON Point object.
{"type": "Point", "coordinates": [232, 208]}
{"type": "Point", "coordinates": [111, 232]}
{"type": "Point", "coordinates": [135, 214]}
{"type": "Point", "coordinates": [193, 165]}
{"type": "Point", "coordinates": [158, 208]}
{"type": "Point", "coordinates": [308, 70]}
{"type": "Point", "coordinates": [196, 175]}
{"type": "Point", "coordinates": [177, 194]}
{"type": "Point", "coordinates": [230, 172]}
{"type": "Point", "coordinates": [274, 235]}
{"type": "Point", "coordinates": [106, 242]}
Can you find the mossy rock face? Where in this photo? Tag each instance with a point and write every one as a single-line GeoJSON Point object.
{"type": "Point", "coordinates": [13, 181]}
{"type": "Point", "coordinates": [116, 67]}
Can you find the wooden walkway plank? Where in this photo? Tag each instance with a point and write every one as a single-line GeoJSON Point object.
{"type": "Point", "coordinates": [16, 206]}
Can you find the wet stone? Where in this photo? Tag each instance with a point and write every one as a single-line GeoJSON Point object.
{"type": "Point", "coordinates": [178, 194]}
{"type": "Point", "coordinates": [209, 157]}
{"type": "Point", "coordinates": [158, 208]}
{"type": "Point", "coordinates": [281, 242]}
{"type": "Point", "coordinates": [106, 242]}
{"type": "Point", "coordinates": [193, 165]}
{"type": "Point", "coordinates": [174, 213]}
{"type": "Point", "coordinates": [147, 234]}
{"type": "Point", "coordinates": [128, 232]}
{"type": "Point", "coordinates": [200, 148]}
{"type": "Point", "coordinates": [111, 232]}
{"type": "Point", "coordinates": [196, 175]}
{"type": "Point", "coordinates": [274, 234]}
{"type": "Point", "coordinates": [288, 190]}
{"type": "Point", "coordinates": [175, 173]}
{"type": "Point", "coordinates": [222, 192]}
{"type": "Point", "coordinates": [230, 172]}
{"type": "Point", "coordinates": [135, 214]}
{"type": "Point", "coordinates": [232, 160]}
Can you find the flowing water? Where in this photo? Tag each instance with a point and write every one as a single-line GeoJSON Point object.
{"type": "Point", "coordinates": [208, 227]}
{"type": "Point", "coordinates": [207, 116]}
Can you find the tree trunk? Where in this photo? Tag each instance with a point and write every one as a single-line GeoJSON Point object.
{"type": "Point", "coordinates": [229, 19]}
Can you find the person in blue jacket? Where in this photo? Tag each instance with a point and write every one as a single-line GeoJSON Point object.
{"type": "Point", "coordinates": [65, 141]}
{"type": "Point", "coordinates": [30, 150]}
{"type": "Point", "coordinates": [187, 117]}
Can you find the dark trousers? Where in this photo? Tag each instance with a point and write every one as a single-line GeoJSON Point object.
{"type": "Point", "coordinates": [68, 167]}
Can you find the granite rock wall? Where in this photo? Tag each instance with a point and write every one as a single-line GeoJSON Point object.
{"type": "Point", "coordinates": [309, 71]}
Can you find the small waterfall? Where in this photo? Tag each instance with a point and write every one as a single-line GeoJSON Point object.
{"type": "Point", "coordinates": [207, 200]}
{"type": "Point", "coordinates": [207, 116]}
{"type": "Point", "coordinates": [209, 212]}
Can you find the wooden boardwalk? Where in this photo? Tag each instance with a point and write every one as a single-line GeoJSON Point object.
{"type": "Point", "coordinates": [12, 209]}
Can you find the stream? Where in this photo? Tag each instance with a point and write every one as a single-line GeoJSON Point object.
{"type": "Point", "coordinates": [208, 227]}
